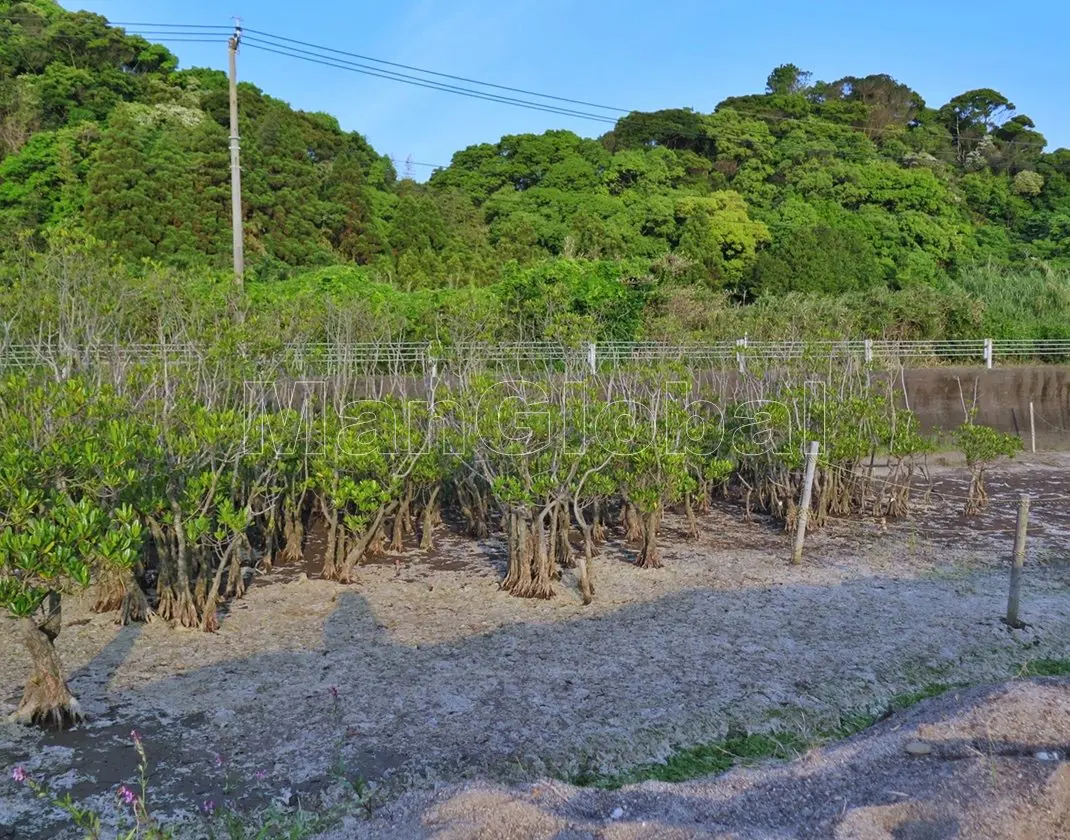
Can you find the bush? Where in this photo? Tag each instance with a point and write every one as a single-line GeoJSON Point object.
{"type": "Point", "coordinates": [821, 259]}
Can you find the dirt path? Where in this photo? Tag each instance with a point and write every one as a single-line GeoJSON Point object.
{"type": "Point", "coordinates": [441, 676]}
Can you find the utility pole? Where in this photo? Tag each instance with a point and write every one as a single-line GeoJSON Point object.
{"type": "Point", "coordinates": [235, 160]}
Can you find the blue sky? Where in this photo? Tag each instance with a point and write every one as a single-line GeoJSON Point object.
{"type": "Point", "coordinates": [627, 53]}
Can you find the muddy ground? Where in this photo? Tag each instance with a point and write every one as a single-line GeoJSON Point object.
{"type": "Point", "coordinates": [441, 677]}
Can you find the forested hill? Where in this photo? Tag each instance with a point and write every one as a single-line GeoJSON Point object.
{"type": "Point", "coordinates": [810, 186]}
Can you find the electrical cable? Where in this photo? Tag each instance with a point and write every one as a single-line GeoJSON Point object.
{"type": "Point", "coordinates": [434, 85]}
{"type": "Point", "coordinates": [321, 59]}
{"type": "Point", "coordinates": [171, 33]}
{"type": "Point", "coordinates": [692, 135]}
{"type": "Point", "coordinates": [436, 73]}
{"type": "Point", "coordinates": [191, 40]}
{"type": "Point", "coordinates": [171, 25]}
{"type": "Point", "coordinates": [297, 53]}
{"type": "Point", "coordinates": [417, 163]}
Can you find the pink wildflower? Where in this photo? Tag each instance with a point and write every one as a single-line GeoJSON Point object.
{"type": "Point", "coordinates": [19, 775]}
{"type": "Point", "coordinates": [127, 795]}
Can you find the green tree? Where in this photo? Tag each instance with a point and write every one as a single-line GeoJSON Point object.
{"type": "Point", "coordinates": [820, 259]}
{"type": "Point", "coordinates": [351, 219]}
{"type": "Point", "coordinates": [788, 79]}
{"type": "Point", "coordinates": [673, 128]}
{"type": "Point", "coordinates": [718, 233]}
{"type": "Point", "coordinates": [971, 116]}
{"type": "Point", "coordinates": [63, 461]}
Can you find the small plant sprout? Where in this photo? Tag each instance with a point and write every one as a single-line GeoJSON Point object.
{"type": "Point", "coordinates": [84, 818]}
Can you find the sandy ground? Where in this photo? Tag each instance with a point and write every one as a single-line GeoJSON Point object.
{"type": "Point", "coordinates": [995, 770]}
{"type": "Point", "coordinates": [441, 677]}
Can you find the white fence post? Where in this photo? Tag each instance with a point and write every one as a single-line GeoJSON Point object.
{"type": "Point", "coordinates": [988, 353]}
{"type": "Point", "coordinates": [592, 357]}
{"type": "Point", "coordinates": [741, 345]}
{"type": "Point", "coordinates": [869, 350]}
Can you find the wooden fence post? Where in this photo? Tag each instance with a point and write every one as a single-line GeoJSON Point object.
{"type": "Point", "coordinates": [1032, 427]}
{"type": "Point", "coordinates": [803, 517]}
{"type": "Point", "coordinates": [1018, 562]}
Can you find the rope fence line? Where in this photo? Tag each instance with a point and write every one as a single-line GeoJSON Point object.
{"type": "Point", "coordinates": [1024, 503]}
{"type": "Point", "coordinates": [885, 485]}
{"type": "Point", "coordinates": [1049, 424]}
{"type": "Point", "coordinates": [431, 357]}
{"type": "Point", "coordinates": [948, 503]}
{"type": "Point", "coordinates": [1050, 498]}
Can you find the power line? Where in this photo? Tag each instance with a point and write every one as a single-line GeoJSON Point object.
{"type": "Point", "coordinates": [189, 38]}
{"type": "Point", "coordinates": [316, 57]}
{"type": "Point", "coordinates": [417, 163]}
{"type": "Point", "coordinates": [436, 73]}
{"type": "Point", "coordinates": [193, 40]}
{"type": "Point", "coordinates": [170, 33]}
{"type": "Point", "coordinates": [170, 25]}
{"type": "Point", "coordinates": [695, 135]}
{"type": "Point", "coordinates": [293, 52]}
{"type": "Point", "coordinates": [328, 62]}
{"type": "Point", "coordinates": [811, 121]}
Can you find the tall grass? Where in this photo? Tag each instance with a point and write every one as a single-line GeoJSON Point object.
{"type": "Point", "coordinates": [1026, 303]}
{"type": "Point", "coordinates": [983, 302]}
{"type": "Point", "coordinates": [693, 314]}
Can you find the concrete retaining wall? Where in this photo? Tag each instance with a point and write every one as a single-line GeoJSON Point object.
{"type": "Point", "coordinates": [1002, 398]}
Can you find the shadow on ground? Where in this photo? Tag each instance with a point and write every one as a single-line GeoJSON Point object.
{"type": "Point", "coordinates": [867, 788]}
{"type": "Point", "coordinates": [524, 700]}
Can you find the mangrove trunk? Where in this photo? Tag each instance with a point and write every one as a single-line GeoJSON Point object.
{"type": "Point", "coordinates": [46, 700]}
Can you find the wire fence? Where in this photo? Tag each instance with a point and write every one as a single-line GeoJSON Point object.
{"type": "Point", "coordinates": [414, 357]}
